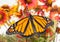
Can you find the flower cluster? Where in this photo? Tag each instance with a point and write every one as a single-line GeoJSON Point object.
{"type": "Point", "coordinates": [39, 7]}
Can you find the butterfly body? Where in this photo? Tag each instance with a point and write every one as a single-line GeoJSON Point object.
{"type": "Point", "coordinates": [30, 25]}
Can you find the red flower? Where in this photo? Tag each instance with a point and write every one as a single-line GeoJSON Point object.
{"type": "Point", "coordinates": [57, 18]}
{"type": "Point", "coordinates": [31, 3]}
{"type": "Point", "coordinates": [3, 17]}
{"type": "Point", "coordinates": [18, 14]}
{"type": "Point", "coordinates": [44, 7]}
{"type": "Point", "coordinates": [40, 12]}
{"type": "Point", "coordinates": [43, 1]}
{"type": "Point", "coordinates": [18, 36]}
{"type": "Point", "coordinates": [47, 2]}
{"type": "Point", "coordinates": [49, 32]}
{"type": "Point", "coordinates": [52, 15]}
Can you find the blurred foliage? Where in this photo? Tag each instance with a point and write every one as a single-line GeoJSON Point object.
{"type": "Point", "coordinates": [13, 38]}
{"type": "Point", "coordinates": [8, 38]}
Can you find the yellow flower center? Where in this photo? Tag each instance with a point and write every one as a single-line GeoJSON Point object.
{"type": "Point", "coordinates": [1, 16]}
{"type": "Point", "coordinates": [28, 1]}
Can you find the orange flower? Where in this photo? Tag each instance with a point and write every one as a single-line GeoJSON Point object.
{"type": "Point", "coordinates": [31, 3]}
{"type": "Point", "coordinates": [18, 14]}
{"type": "Point", "coordinates": [13, 10]}
{"type": "Point", "coordinates": [6, 8]}
{"type": "Point", "coordinates": [3, 17]}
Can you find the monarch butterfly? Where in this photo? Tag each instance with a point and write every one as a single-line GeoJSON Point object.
{"type": "Point", "coordinates": [30, 25]}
